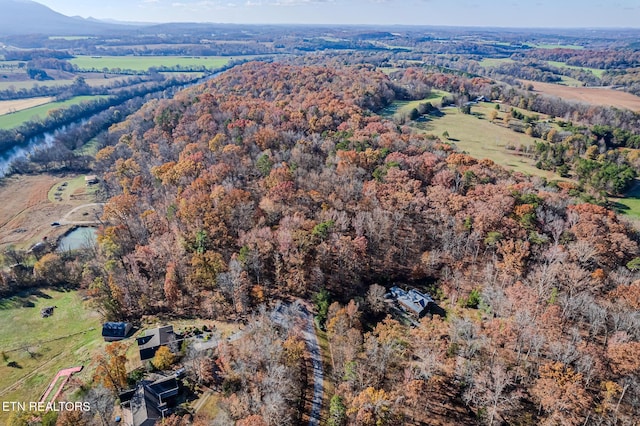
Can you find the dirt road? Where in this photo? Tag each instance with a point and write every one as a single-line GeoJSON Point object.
{"type": "Point", "coordinates": [94, 211]}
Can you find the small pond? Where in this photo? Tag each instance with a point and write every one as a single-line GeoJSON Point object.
{"type": "Point", "coordinates": [79, 238]}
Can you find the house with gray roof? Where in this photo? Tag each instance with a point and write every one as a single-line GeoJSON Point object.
{"type": "Point", "coordinates": [412, 301]}
{"type": "Point", "coordinates": [150, 401]}
{"type": "Point", "coordinates": [154, 338]}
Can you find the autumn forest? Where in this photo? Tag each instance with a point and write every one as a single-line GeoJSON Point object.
{"type": "Point", "coordinates": [276, 181]}
{"type": "Point", "coordinates": [283, 190]}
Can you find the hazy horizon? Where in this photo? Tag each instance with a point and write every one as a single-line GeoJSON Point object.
{"type": "Point", "coordinates": [488, 13]}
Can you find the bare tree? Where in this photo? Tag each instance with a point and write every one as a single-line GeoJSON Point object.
{"type": "Point", "coordinates": [375, 298]}
{"type": "Point", "coordinates": [102, 402]}
{"type": "Point", "coordinates": [490, 389]}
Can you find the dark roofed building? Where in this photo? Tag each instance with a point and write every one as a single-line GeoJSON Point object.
{"type": "Point", "coordinates": [153, 339]}
{"type": "Point", "coordinates": [112, 331]}
{"type": "Point", "coordinates": [412, 300]}
{"type": "Point", "coordinates": [150, 401]}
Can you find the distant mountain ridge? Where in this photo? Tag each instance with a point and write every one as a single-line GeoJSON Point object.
{"type": "Point", "coordinates": [19, 17]}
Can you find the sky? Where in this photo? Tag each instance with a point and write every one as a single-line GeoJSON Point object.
{"type": "Point", "coordinates": [482, 13]}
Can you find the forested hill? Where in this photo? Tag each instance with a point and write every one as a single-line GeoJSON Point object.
{"type": "Point", "coordinates": [276, 180]}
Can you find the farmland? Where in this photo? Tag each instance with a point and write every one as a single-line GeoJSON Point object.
{"type": "Point", "coordinates": [556, 46]}
{"type": "Point", "coordinates": [143, 63]}
{"type": "Point", "coordinates": [15, 119]}
{"type": "Point", "coordinates": [7, 107]}
{"type": "Point", "coordinates": [25, 220]}
{"type": "Point", "coordinates": [598, 73]}
{"type": "Point", "coordinates": [591, 95]}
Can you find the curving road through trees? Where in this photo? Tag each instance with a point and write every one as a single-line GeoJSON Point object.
{"type": "Point", "coordinates": [311, 340]}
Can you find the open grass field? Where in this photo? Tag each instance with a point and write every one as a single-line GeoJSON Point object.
{"type": "Point", "coordinates": [40, 347]}
{"type": "Point", "coordinates": [7, 107]}
{"type": "Point", "coordinates": [143, 63]}
{"type": "Point", "coordinates": [71, 190]}
{"type": "Point", "coordinates": [630, 205]}
{"type": "Point", "coordinates": [556, 46]}
{"type": "Point", "coordinates": [9, 121]}
{"type": "Point", "coordinates": [400, 108]}
{"type": "Point", "coordinates": [570, 81]}
{"type": "Point", "coordinates": [480, 138]}
{"type": "Point", "coordinates": [597, 72]}
{"type": "Point", "coordinates": [590, 95]}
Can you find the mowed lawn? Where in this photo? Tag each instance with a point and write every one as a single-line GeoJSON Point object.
{"type": "Point", "coordinates": [630, 205]}
{"type": "Point", "coordinates": [9, 121]}
{"type": "Point", "coordinates": [143, 63]}
{"type": "Point", "coordinates": [480, 138]}
{"type": "Point", "coordinates": [40, 347]}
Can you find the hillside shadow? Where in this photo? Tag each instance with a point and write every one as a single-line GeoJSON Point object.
{"type": "Point", "coordinates": [634, 191]}
{"type": "Point", "coordinates": [23, 299]}
{"type": "Point", "coordinates": [619, 207]}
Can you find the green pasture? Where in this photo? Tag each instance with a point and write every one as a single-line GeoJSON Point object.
{"type": "Point", "coordinates": [477, 136]}
{"type": "Point", "coordinates": [143, 63]}
{"type": "Point", "coordinates": [399, 108]}
{"type": "Point", "coordinates": [570, 81]}
{"type": "Point", "coordinates": [73, 183]}
{"type": "Point", "coordinates": [555, 46]}
{"type": "Point", "coordinates": [37, 348]}
{"type": "Point", "coordinates": [595, 71]}
{"type": "Point", "coordinates": [9, 121]}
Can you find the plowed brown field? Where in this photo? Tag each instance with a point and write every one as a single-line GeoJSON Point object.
{"type": "Point", "coordinates": [590, 95]}
{"type": "Point", "coordinates": [20, 104]}
{"type": "Point", "coordinates": [26, 212]}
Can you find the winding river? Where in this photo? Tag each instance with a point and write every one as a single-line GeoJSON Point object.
{"type": "Point", "coordinates": [21, 151]}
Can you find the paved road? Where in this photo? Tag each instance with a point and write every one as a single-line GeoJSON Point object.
{"type": "Point", "coordinates": [311, 340]}
{"type": "Point", "coordinates": [300, 315]}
